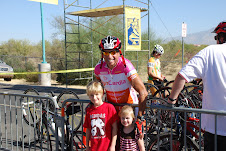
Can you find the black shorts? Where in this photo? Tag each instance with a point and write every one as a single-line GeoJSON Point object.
{"type": "Point", "coordinates": [209, 142]}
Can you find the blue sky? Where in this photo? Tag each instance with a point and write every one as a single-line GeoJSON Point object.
{"type": "Point", "coordinates": [21, 19]}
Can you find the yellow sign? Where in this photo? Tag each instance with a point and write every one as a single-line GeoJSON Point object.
{"type": "Point", "coordinates": [133, 28]}
{"type": "Point", "coordinates": [47, 1]}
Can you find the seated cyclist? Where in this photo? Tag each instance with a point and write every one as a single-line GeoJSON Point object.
{"type": "Point", "coordinates": [155, 76]}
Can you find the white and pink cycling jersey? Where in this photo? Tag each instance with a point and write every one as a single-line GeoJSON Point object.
{"type": "Point", "coordinates": [117, 81]}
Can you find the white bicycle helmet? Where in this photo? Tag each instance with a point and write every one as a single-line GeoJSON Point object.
{"type": "Point", "coordinates": [159, 49]}
{"type": "Point", "coordinates": [110, 42]}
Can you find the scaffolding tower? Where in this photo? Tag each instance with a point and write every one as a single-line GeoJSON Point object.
{"type": "Point", "coordinates": [80, 46]}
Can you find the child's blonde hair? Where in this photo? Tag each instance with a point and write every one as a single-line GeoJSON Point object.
{"type": "Point", "coordinates": [126, 110]}
{"type": "Point", "coordinates": [94, 87]}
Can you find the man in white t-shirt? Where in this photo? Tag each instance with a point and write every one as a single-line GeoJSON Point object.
{"type": "Point", "coordinates": [209, 65]}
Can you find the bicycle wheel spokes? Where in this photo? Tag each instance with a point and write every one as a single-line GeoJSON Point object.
{"type": "Point", "coordinates": [159, 120]}
{"type": "Point", "coordinates": [194, 92]}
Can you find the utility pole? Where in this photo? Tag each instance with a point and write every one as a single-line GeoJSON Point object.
{"type": "Point", "coordinates": [184, 34]}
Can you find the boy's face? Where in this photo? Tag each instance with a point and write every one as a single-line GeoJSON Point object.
{"type": "Point", "coordinates": [96, 98]}
{"type": "Point", "coordinates": [126, 120]}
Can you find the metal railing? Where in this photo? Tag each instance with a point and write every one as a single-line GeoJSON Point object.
{"type": "Point", "coordinates": [22, 125]}
{"type": "Point", "coordinates": [29, 122]}
{"type": "Point", "coordinates": [189, 124]}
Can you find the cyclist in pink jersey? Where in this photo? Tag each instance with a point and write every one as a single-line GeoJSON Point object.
{"type": "Point", "coordinates": [119, 76]}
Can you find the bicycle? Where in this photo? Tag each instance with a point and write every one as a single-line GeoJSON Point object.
{"type": "Point", "coordinates": [41, 113]}
{"type": "Point", "coordinates": [73, 139]}
{"type": "Point", "coordinates": [151, 88]}
{"type": "Point", "coordinates": [34, 113]}
{"type": "Point", "coordinates": [159, 138]}
{"type": "Point", "coordinates": [195, 93]}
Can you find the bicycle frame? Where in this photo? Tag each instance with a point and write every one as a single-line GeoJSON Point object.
{"type": "Point", "coordinates": [189, 127]}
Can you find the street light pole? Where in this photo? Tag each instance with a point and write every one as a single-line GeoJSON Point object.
{"type": "Point", "coordinates": [43, 37]}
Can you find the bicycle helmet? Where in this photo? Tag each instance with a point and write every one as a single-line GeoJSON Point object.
{"type": "Point", "coordinates": [111, 42]}
{"type": "Point", "coordinates": [159, 49]}
{"type": "Point", "coordinates": [221, 28]}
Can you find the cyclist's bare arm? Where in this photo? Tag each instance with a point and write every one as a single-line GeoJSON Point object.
{"type": "Point", "coordinates": [178, 85]}
{"type": "Point", "coordinates": [138, 85]}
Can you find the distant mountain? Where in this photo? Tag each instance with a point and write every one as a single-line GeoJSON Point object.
{"type": "Point", "coordinates": [199, 38]}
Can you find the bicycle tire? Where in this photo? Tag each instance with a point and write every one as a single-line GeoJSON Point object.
{"type": "Point", "coordinates": [194, 93]}
{"type": "Point", "coordinates": [76, 141]}
{"type": "Point", "coordinates": [158, 119]}
{"type": "Point", "coordinates": [165, 116]}
{"type": "Point", "coordinates": [30, 108]}
{"type": "Point", "coordinates": [163, 92]}
{"type": "Point", "coordinates": [168, 83]}
{"type": "Point", "coordinates": [46, 142]}
{"type": "Point", "coordinates": [164, 143]}
{"type": "Point", "coordinates": [75, 119]}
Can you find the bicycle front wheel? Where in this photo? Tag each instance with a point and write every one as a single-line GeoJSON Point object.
{"type": "Point", "coordinates": [31, 107]}
{"type": "Point", "coordinates": [74, 110]}
{"type": "Point", "coordinates": [44, 136]}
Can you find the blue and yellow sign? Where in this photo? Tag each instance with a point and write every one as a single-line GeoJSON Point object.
{"type": "Point", "coordinates": [47, 1]}
{"type": "Point", "coordinates": [133, 28]}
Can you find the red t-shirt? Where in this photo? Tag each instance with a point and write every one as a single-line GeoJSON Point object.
{"type": "Point", "coordinates": [99, 120]}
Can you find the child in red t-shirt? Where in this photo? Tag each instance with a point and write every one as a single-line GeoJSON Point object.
{"type": "Point", "coordinates": [100, 121]}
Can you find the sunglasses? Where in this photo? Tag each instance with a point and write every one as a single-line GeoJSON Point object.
{"type": "Point", "coordinates": [216, 37]}
{"type": "Point", "coordinates": [111, 52]}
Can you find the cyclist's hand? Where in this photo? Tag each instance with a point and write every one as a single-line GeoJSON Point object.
{"type": "Point", "coordinates": [160, 79]}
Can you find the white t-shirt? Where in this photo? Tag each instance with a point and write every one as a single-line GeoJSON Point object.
{"type": "Point", "coordinates": [210, 65]}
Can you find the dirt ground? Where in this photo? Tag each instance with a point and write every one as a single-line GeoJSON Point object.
{"type": "Point", "coordinates": [170, 72]}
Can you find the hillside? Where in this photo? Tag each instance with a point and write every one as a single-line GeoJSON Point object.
{"type": "Point", "coordinates": [199, 38]}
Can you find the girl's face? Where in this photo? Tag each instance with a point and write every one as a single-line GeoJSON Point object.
{"type": "Point", "coordinates": [96, 98]}
{"type": "Point", "coordinates": [126, 120]}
